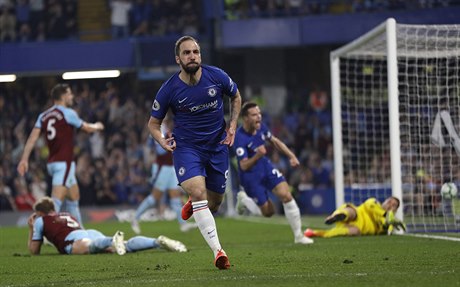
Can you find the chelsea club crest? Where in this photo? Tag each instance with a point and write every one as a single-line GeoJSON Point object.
{"type": "Point", "coordinates": [212, 92]}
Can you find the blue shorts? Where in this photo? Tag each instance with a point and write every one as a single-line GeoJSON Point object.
{"type": "Point", "coordinates": [257, 186]}
{"type": "Point", "coordinates": [165, 178]}
{"type": "Point", "coordinates": [80, 234]}
{"type": "Point", "coordinates": [213, 165]}
{"type": "Point", "coordinates": [62, 173]}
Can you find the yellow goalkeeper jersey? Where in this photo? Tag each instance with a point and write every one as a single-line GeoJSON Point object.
{"type": "Point", "coordinates": [370, 217]}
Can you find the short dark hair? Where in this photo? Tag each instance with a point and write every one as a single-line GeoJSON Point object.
{"type": "Point", "coordinates": [246, 106]}
{"type": "Point", "coordinates": [397, 200]}
{"type": "Point", "coordinates": [58, 90]}
{"type": "Point", "coordinates": [182, 40]}
{"type": "Point", "coordinates": [45, 205]}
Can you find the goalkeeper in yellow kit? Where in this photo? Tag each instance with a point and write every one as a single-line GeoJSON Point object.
{"type": "Point", "coordinates": [369, 218]}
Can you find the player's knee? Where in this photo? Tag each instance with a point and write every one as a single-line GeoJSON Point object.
{"type": "Point", "coordinates": [268, 213]}
{"type": "Point", "coordinates": [286, 197]}
{"type": "Point", "coordinates": [197, 194]}
{"type": "Point", "coordinates": [283, 193]}
{"type": "Point", "coordinates": [267, 209]}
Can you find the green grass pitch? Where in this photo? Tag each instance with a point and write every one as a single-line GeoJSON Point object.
{"type": "Point", "coordinates": [261, 253]}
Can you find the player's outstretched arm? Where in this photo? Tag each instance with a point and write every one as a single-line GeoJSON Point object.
{"type": "Point", "coordinates": [282, 147]}
{"type": "Point", "coordinates": [23, 165]}
{"type": "Point", "coordinates": [92, 127]}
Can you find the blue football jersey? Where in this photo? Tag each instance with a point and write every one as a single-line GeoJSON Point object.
{"type": "Point", "coordinates": [245, 147]}
{"type": "Point", "coordinates": [198, 110]}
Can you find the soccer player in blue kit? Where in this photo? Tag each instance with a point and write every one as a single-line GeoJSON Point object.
{"type": "Point", "coordinates": [257, 174]}
{"type": "Point", "coordinates": [199, 142]}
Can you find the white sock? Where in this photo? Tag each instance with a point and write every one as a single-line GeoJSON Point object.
{"type": "Point", "coordinates": [206, 224]}
{"type": "Point", "coordinates": [292, 213]}
{"type": "Point", "coordinates": [250, 204]}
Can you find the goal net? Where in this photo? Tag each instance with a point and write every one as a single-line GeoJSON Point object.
{"type": "Point", "coordinates": [396, 117]}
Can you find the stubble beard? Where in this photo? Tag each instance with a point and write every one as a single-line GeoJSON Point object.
{"type": "Point", "coordinates": [191, 71]}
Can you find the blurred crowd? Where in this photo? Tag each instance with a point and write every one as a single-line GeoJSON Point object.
{"type": "Point", "coordinates": [37, 20]}
{"type": "Point", "coordinates": [41, 20]}
{"type": "Point", "coordinates": [242, 9]}
{"type": "Point", "coordinates": [114, 166]}
{"type": "Point", "coordinates": [154, 17]}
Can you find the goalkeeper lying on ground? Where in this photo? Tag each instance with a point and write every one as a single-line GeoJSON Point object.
{"type": "Point", "coordinates": [369, 218]}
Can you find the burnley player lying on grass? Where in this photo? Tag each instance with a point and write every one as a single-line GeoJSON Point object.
{"type": "Point", "coordinates": [65, 233]}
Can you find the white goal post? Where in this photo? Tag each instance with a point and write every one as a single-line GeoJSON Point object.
{"type": "Point", "coordinates": [396, 121]}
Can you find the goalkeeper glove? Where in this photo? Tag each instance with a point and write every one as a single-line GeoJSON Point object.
{"type": "Point", "coordinates": [393, 223]}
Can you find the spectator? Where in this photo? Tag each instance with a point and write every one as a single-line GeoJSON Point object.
{"type": "Point", "coordinates": [38, 186]}
{"type": "Point", "coordinates": [57, 28]}
{"type": "Point", "coordinates": [104, 193]}
{"type": "Point", "coordinates": [234, 9]}
{"type": "Point", "coordinates": [40, 34]}
{"type": "Point", "coordinates": [70, 16]}
{"type": "Point", "coordinates": [6, 198]}
{"type": "Point", "coordinates": [189, 19]}
{"type": "Point", "coordinates": [120, 186]}
{"type": "Point", "coordinates": [7, 25]}
{"type": "Point", "coordinates": [295, 7]}
{"type": "Point", "coordinates": [321, 175]}
{"type": "Point", "coordinates": [23, 199]}
{"type": "Point", "coordinates": [140, 17]}
{"type": "Point", "coordinates": [120, 18]}
{"type": "Point", "coordinates": [37, 8]}
{"type": "Point", "coordinates": [318, 99]}
{"type": "Point", "coordinates": [22, 12]}
{"type": "Point", "coordinates": [25, 33]}
{"type": "Point", "coordinates": [258, 8]}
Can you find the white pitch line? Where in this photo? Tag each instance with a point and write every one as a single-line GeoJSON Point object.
{"type": "Point", "coordinates": [434, 237]}
{"type": "Point", "coordinates": [265, 221]}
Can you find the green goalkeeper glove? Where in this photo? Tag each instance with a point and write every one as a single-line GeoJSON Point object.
{"type": "Point", "coordinates": [392, 223]}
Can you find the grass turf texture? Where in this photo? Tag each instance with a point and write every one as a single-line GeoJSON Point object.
{"type": "Point", "coordinates": [261, 254]}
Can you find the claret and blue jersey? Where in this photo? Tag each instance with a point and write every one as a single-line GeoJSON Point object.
{"type": "Point", "coordinates": [198, 110]}
{"type": "Point", "coordinates": [58, 123]}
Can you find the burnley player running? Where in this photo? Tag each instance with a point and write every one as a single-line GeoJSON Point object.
{"type": "Point", "coordinates": [65, 233]}
{"type": "Point", "coordinates": [58, 124]}
{"type": "Point", "coordinates": [200, 141]}
{"type": "Point", "coordinates": [257, 174]}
